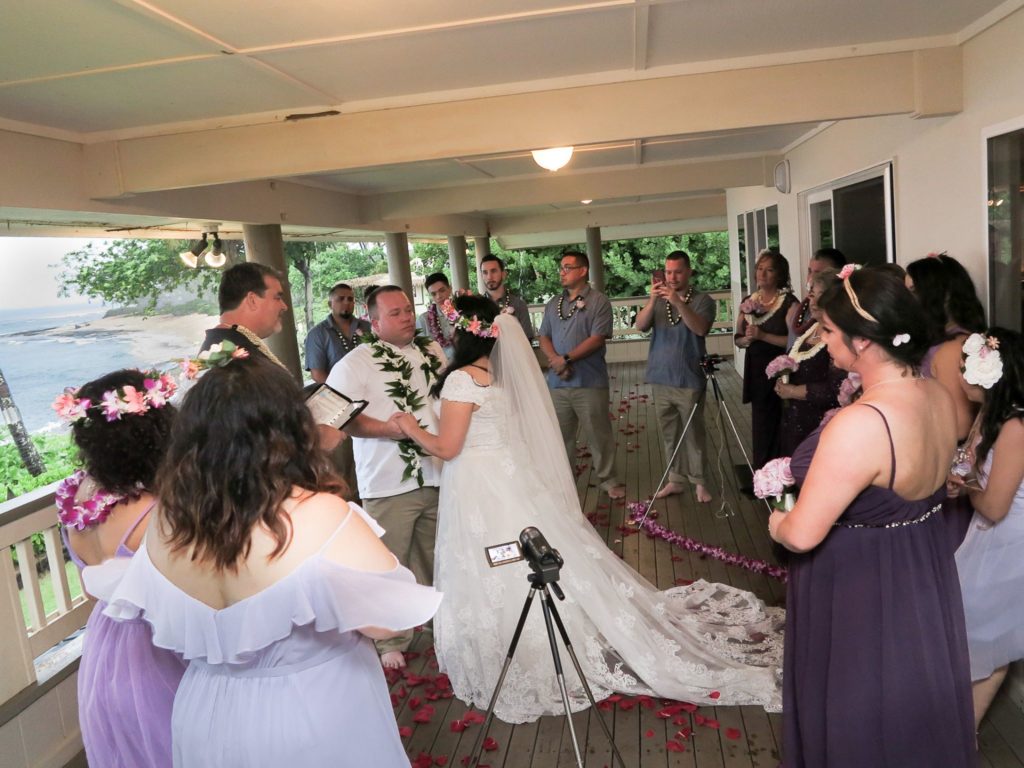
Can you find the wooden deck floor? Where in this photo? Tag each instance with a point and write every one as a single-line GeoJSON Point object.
{"type": "Point", "coordinates": [711, 737]}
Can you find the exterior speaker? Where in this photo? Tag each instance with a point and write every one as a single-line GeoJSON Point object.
{"type": "Point", "coordinates": [782, 177]}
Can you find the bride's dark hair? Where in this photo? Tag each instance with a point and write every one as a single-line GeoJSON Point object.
{"type": "Point", "coordinates": [243, 441]}
{"type": "Point", "coordinates": [468, 346]}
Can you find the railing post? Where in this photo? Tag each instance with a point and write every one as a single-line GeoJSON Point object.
{"type": "Point", "coordinates": [17, 671]}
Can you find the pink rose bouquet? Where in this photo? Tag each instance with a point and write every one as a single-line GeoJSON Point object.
{"type": "Point", "coordinates": [752, 307]}
{"type": "Point", "coordinates": [848, 389]}
{"type": "Point", "coordinates": [772, 479]}
{"type": "Point", "coordinates": [781, 365]}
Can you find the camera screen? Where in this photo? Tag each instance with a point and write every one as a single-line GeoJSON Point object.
{"type": "Point", "coordinates": [501, 554]}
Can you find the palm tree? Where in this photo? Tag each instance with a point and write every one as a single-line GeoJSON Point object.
{"type": "Point", "coordinates": [29, 455]}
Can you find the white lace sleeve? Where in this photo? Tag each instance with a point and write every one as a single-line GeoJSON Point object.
{"type": "Point", "coordinates": [460, 387]}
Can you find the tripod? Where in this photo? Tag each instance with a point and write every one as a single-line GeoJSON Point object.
{"type": "Point", "coordinates": [709, 370]}
{"type": "Point", "coordinates": [545, 583]}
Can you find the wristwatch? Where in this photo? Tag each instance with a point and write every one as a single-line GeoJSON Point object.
{"type": "Point", "coordinates": [566, 358]}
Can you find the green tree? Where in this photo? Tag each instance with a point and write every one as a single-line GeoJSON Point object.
{"type": "Point", "coordinates": [130, 272]}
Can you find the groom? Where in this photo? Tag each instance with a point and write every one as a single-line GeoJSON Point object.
{"type": "Point", "coordinates": [397, 482]}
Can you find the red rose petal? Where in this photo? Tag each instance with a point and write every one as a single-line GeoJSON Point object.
{"type": "Point", "coordinates": [405, 731]}
{"type": "Point", "coordinates": [674, 746]}
{"type": "Point", "coordinates": [441, 760]}
{"type": "Point", "coordinates": [458, 726]}
{"type": "Point", "coordinates": [688, 706]}
{"type": "Point", "coordinates": [414, 703]}
{"type": "Point", "coordinates": [473, 717]}
{"type": "Point", "coordinates": [425, 715]}
{"type": "Point", "coordinates": [648, 734]}
{"type": "Point", "coordinates": [423, 760]}
{"type": "Point", "coordinates": [732, 733]}
{"type": "Point", "coordinates": [715, 695]}
{"type": "Point", "coordinates": [709, 723]}
{"type": "Point", "coordinates": [490, 744]}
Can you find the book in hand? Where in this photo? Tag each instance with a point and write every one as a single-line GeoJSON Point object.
{"type": "Point", "coordinates": [331, 407]}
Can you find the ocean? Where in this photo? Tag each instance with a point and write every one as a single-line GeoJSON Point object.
{"type": "Point", "coordinates": [39, 365]}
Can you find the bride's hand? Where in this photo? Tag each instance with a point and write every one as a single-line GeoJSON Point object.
{"type": "Point", "coordinates": [405, 423]}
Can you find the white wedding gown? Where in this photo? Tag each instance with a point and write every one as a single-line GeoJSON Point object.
{"type": "Point", "coordinates": [704, 643]}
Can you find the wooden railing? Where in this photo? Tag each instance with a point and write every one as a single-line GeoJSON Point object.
{"type": "Point", "coordinates": [25, 639]}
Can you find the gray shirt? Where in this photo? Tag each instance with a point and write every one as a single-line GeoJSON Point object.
{"type": "Point", "coordinates": [594, 318]}
{"type": "Point", "coordinates": [325, 345]}
{"type": "Point", "coordinates": [675, 353]}
{"type": "Point", "coordinates": [517, 307]}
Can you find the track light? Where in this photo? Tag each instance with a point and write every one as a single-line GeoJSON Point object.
{"type": "Point", "coordinates": [552, 159]}
{"type": "Point", "coordinates": [216, 258]}
{"type": "Point", "coordinates": [190, 258]}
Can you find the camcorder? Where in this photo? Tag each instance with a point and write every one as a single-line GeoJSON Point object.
{"type": "Point", "coordinates": [532, 547]}
{"type": "Point", "coordinates": [709, 363]}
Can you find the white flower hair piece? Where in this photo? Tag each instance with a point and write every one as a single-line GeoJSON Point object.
{"type": "Point", "coordinates": [983, 365]}
{"type": "Point", "coordinates": [900, 339]}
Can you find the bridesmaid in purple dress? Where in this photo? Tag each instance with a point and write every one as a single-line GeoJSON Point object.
{"type": "Point", "coordinates": [126, 686]}
{"type": "Point", "coordinates": [763, 332]}
{"type": "Point", "coordinates": [813, 389]}
{"type": "Point", "coordinates": [876, 669]}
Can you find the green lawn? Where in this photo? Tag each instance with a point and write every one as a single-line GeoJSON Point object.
{"type": "Point", "coordinates": [46, 588]}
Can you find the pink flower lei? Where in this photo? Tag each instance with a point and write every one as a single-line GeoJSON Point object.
{"type": "Point", "coordinates": [157, 390]}
{"type": "Point", "coordinates": [434, 325]}
{"type": "Point", "coordinates": [84, 514]}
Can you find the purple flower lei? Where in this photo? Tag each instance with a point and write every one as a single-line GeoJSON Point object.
{"type": "Point", "coordinates": [84, 514]}
{"type": "Point", "coordinates": [655, 530]}
{"type": "Point", "coordinates": [434, 327]}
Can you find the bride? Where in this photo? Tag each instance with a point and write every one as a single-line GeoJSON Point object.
{"type": "Point", "coordinates": [506, 469]}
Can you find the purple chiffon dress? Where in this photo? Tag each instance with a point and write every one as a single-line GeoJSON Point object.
{"type": "Point", "coordinates": [284, 677]}
{"type": "Point", "coordinates": [876, 668]}
{"type": "Point", "coordinates": [126, 686]}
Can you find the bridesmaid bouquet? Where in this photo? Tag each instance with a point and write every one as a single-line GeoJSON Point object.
{"type": "Point", "coordinates": [752, 306]}
{"type": "Point", "coordinates": [783, 365]}
{"type": "Point", "coordinates": [771, 480]}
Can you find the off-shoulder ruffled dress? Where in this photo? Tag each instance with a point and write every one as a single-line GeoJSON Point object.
{"type": "Point", "coordinates": [283, 677]}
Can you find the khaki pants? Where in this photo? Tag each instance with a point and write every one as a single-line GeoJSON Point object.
{"type": "Point", "coordinates": [673, 406]}
{"type": "Point", "coordinates": [410, 524]}
{"type": "Point", "coordinates": [586, 409]}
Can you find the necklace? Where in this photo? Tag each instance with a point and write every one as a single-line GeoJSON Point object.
{"type": "Point", "coordinates": [81, 503]}
{"type": "Point", "coordinates": [900, 380]}
{"type": "Point", "coordinates": [769, 309]}
{"type": "Point", "coordinates": [577, 304]}
{"type": "Point", "coordinates": [346, 342]}
{"type": "Point", "coordinates": [434, 327]}
{"type": "Point", "coordinates": [259, 344]}
{"type": "Point", "coordinates": [810, 333]}
{"type": "Point", "coordinates": [805, 308]}
{"type": "Point", "coordinates": [672, 319]}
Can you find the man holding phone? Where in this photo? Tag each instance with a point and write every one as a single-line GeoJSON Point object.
{"type": "Point", "coordinates": [680, 317]}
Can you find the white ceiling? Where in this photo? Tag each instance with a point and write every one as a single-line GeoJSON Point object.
{"type": "Point", "coordinates": [93, 71]}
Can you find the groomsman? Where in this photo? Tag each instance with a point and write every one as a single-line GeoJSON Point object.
{"type": "Point", "coordinates": [681, 317]}
{"type": "Point", "coordinates": [576, 325]}
{"type": "Point", "coordinates": [493, 273]}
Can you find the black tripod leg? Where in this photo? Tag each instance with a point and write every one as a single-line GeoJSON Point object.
{"type": "Point", "coordinates": [474, 756]}
{"type": "Point", "coordinates": [550, 605]}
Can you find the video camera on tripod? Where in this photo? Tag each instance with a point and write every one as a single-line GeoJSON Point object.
{"type": "Point", "coordinates": [709, 363]}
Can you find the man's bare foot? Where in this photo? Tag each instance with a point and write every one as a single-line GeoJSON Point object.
{"type": "Point", "coordinates": [392, 660]}
{"type": "Point", "coordinates": [617, 492]}
{"type": "Point", "coordinates": [703, 494]}
{"type": "Point", "coordinates": [670, 489]}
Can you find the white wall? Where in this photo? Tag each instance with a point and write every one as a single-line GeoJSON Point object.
{"type": "Point", "coordinates": [939, 163]}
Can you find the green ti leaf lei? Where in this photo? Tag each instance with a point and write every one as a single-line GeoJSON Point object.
{"type": "Point", "coordinates": [404, 395]}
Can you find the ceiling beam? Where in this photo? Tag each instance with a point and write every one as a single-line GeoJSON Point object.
{"type": "Point", "coordinates": [562, 188]}
{"type": "Point", "coordinates": [895, 83]}
{"type": "Point", "coordinates": [625, 232]}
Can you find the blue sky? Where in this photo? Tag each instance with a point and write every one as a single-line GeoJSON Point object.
{"type": "Point", "coordinates": [29, 267]}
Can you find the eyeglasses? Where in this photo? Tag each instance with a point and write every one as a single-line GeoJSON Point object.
{"type": "Point", "coordinates": [563, 269]}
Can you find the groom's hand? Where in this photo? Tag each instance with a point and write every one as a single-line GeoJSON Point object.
{"type": "Point", "coordinates": [393, 426]}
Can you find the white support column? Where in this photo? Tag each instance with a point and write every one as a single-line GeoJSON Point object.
{"type": "Point", "coordinates": [457, 262]}
{"type": "Point", "coordinates": [399, 271]}
{"type": "Point", "coordinates": [482, 245]}
{"type": "Point", "coordinates": [596, 257]}
{"type": "Point", "coordinates": [263, 245]}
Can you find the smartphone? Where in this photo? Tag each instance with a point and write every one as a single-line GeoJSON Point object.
{"type": "Point", "coordinates": [658, 276]}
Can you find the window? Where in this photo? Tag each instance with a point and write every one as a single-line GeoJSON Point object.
{"type": "Point", "coordinates": [1006, 229]}
{"type": "Point", "coordinates": [853, 214]}
{"type": "Point", "coordinates": [757, 229]}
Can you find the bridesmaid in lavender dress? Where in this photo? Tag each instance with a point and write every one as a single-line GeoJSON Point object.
{"type": "Point", "coordinates": [876, 666]}
{"type": "Point", "coordinates": [269, 584]}
{"type": "Point", "coordinates": [126, 685]}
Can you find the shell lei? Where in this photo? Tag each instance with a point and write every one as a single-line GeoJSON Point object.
{"type": "Point", "coordinates": [770, 312]}
{"type": "Point", "coordinates": [799, 356]}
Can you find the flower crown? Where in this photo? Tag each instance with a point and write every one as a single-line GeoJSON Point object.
{"type": "Point", "coordinates": [217, 356]}
{"type": "Point", "coordinates": [157, 389]}
{"type": "Point", "coordinates": [983, 365]}
{"type": "Point", "coordinates": [474, 325]}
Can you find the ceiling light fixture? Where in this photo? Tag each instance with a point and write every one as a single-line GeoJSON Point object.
{"type": "Point", "coordinates": [586, 202]}
{"type": "Point", "coordinates": [552, 159]}
{"type": "Point", "coordinates": [190, 258]}
{"type": "Point", "coordinates": [216, 258]}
